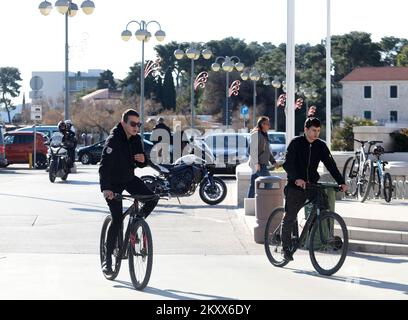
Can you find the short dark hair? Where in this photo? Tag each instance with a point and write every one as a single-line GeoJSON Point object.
{"type": "Point", "coordinates": [128, 113]}
{"type": "Point", "coordinates": [312, 122]}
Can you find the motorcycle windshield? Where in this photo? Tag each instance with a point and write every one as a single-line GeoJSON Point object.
{"type": "Point", "coordinates": [56, 139]}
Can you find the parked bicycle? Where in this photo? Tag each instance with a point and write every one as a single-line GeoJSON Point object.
{"type": "Point", "coordinates": [358, 170]}
{"type": "Point", "coordinates": [136, 245]}
{"type": "Point", "coordinates": [324, 234]}
{"type": "Point", "coordinates": [381, 181]}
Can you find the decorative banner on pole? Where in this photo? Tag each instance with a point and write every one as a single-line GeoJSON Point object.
{"type": "Point", "coordinates": [151, 66]}
{"type": "Point", "coordinates": [201, 80]}
{"type": "Point", "coordinates": [234, 88]}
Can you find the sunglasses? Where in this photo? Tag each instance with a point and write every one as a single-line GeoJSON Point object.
{"type": "Point", "coordinates": [134, 124]}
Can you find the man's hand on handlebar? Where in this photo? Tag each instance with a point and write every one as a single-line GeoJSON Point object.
{"type": "Point", "coordinates": [343, 187]}
{"type": "Point", "coordinates": [301, 183]}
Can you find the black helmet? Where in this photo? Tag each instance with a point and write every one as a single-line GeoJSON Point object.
{"type": "Point", "coordinates": [62, 126]}
{"type": "Point", "coordinates": [68, 124]}
{"type": "Point", "coordinates": [378, 150]}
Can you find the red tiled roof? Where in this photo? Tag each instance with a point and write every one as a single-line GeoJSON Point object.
{"type": "Point", "coordinates": [378, 74]}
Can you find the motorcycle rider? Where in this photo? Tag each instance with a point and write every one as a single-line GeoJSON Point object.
{"type": "Point", "coordinates": [72, 146]}
{"type": "Point", "coordinates": [122, 153]}
{"type": "Point", "coordinates": [69, 140]}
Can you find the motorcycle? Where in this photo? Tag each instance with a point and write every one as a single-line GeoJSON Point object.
{"type": "Point", "coordinates": [59, 162]}
{"type": "Point", "coordinates": [182, 178]}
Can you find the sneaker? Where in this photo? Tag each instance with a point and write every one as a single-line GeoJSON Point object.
{"type": "Point", "coordinates": [288, 256]}
{"type": "Point", "coordinates": [107, 268]}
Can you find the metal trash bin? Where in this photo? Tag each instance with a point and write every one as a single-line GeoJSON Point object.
{"type": "Point", "coordinates": [268, 196]}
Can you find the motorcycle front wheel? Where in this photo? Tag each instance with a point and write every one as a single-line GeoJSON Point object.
{"type": "Point", "coordinates": [52, 174]}
{"type": "Point", "coordinates": [213, 193]}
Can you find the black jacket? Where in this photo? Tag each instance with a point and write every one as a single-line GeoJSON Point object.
{"type": "Point", "coordinates": [117, 164]}
{"type": "Point", "coordinates": [303, 158]}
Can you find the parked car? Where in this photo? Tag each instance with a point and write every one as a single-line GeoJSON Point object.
{"type": "Point", "coordinates": [3, 159]}
{"type": "Point", "coordinates": [92, 154]}
{"type": "Point", "coordinates": [277, 142]}
{"type": "Point", "coordinates": [229, 150]}
{"type": "Point", "coordinates": [19, 145]}
{"type": "Point", "coordinates": [48, 131]}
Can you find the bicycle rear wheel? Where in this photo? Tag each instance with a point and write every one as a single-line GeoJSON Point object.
{"type": "Point", "coordinates": [350, 172]}
{"type": "Point", "coordinates": [273, 238]}
{"type": "Point", "coordinates": [387, 187]}
{"type": "Point", "coordinates": [365, 181]}
{"type": "Point", "coordinates": [328, 243]}
{"type": "Point", "coordinates": [116, 259]}
{"type": "Point", "coordinates": [140, 254]}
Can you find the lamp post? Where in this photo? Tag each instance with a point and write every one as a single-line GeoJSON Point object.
{"type": "Point", "coordinates": [276, 84]}
{"type": "Point", "coordinates": [228, 66]}
{"type": "Point", "coordinates": [193, 54]}
{"type": "Point", "coordinates": [69, 9]}
{"type": "Point", "coordinates": [254, 75]}
{"type": "Point", "coordinates": [143, 35]}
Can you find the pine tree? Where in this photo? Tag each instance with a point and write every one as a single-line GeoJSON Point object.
{"type": "Point", "coordinates": [169, 91]}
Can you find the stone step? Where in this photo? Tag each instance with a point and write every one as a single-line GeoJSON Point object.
{"type": "Point", "coordinates": [401, 226]}
{"type": "Point", "coordinates": [377, 235]}
{"type": "Point", "coordinates": [378, 247]}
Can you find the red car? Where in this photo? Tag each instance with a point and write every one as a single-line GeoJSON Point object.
{"type": "Point", "coordinates": [19, 145]}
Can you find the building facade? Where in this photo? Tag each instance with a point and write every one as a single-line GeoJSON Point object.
{"type": "Point", "coordinates": [53, 88]}
{"type": "Point", "coordinates": [378, 94]}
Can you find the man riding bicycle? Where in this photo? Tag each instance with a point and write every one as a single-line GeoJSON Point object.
{"type": "Point", "coordinates": [302, 160]}
{"type": "Point", "coordinates": [122, 153]}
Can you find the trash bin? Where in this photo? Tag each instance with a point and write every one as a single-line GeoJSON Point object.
{"type": "Point", "coordinates": [331, 198]}
{"type": "Point", "coordinates": [268, 196]}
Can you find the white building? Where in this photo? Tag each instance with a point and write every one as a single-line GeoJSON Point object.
{"type": "Point", "coordinates": [54, 84]}
{"type": "Point", "coordinates": [377, 93]}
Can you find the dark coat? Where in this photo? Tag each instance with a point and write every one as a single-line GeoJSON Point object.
{"type": "Point", "coordinates": [303, 158]}
{"type": "Point", "coordinates": [117, 163]}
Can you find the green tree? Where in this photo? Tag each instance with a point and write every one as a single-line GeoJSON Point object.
{"type": "Point", "coordinates": [168, 91]}
{"type": "Point", "coordinates": [106, 80]}
{"type": "Point", "coordinates": [353, 50]}
{"type": "Point", "coordinates": [402, 57]}
{"type": "Point", "coordinates": [9, 88]}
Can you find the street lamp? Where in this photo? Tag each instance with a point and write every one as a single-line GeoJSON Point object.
{"type": "Point", "coordinates": [69, 9]}
{"type": "Point", "coordinates": [143, 35]}
{"type": "Point", "coordinates": [193, 53]}
{"type": "Point", "coordinates": [228, 66]}
{"type": "Point", "coordinates": [254, 75]}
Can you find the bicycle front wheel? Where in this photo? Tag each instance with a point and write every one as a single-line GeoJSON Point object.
{"type": "Point", "coordinates": [140, 254]}
{"type": "Point", "coordinates": [328, 243]}
{"type": "Point", "coordinates": [273, 238]}
{"type": "Point", "coordinates": [365, 181]}
{"type": "Point", "coordinates": [116, 258]}
{"type": "Point", "coordinates": [387, 187]}
{"type": "Point", "coordinates": [350, 172]}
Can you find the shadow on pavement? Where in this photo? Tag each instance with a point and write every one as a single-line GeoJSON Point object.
{"type": "Point", "coordinates": [171, 294]}
{"type": "Point", "coordinates": [51, 200]}
{"type": "Point", "coordinates": [91, 210]}
{"type": "Point", "coordinates": [377, 258]}
{"type": "Point", "coordinates": [81, 183]}
{"type": "Point", "coordinates": [360, 281]}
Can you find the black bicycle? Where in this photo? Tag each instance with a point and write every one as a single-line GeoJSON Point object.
{"type": "Point", "coordinates": [325, 234]}
{"type": "Point", "coordinates": [136, 245]}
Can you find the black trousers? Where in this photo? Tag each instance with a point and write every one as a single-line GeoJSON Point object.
{"type": "Point", "coordinates": [295, 200]}
{"type": "Point", "coordinates": [135, 186]}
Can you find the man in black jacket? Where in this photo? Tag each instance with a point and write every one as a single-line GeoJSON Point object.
{"type": "Point", "coordinates": [302, 160]}
{"type": "Point", "coordinates": [122, 153]}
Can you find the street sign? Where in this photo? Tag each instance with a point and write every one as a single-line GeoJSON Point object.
{"type": "Point", "coordinates": [244, 111]}
{"type": "Point", "coordinates": [36, 83]}
{"type": "Point", "coordinates": [36, 95]}
{"type": "Point", "coordinates": [36, 112]}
